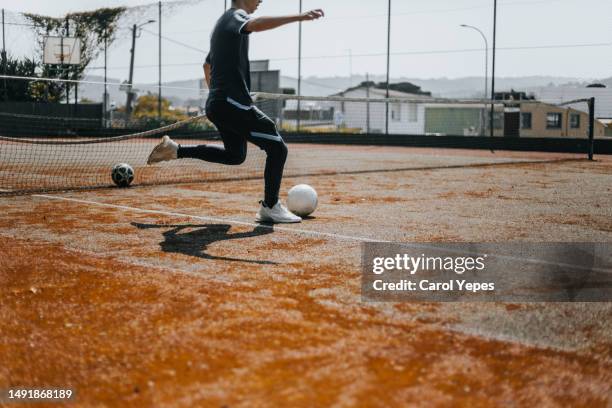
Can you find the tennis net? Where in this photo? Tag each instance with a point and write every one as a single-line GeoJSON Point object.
{"type": "Point", "coordinates": [50, 147]}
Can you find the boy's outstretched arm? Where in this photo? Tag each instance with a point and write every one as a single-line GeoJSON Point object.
{"type": "Point", "coordinates": [268, 23]}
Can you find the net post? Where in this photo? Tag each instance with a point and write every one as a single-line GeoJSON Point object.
{"type": "Point", "coordinates": [4, 90]}
{"type": "Point", "coordinates": [159, 61]}
{"type": "Point", "coordinates": [591, 144]}
{"type": "Point", "coordinates": [493, 68]}
{"type": "Point", "coordinates": [62, 62]}
{"type": "Point", "coordinates": [388, 67]}
{"type": "Point", "coordinates": [299, 84]}
{"type": "Point", "coordinates": [368, 103]}
{"type": "Point", "coordinates": [106, 96]}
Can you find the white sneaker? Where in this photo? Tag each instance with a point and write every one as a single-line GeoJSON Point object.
{"type": "Point", "coordinates": [278, 214]}
{"type": "Point", "coordinates": [165, 150]}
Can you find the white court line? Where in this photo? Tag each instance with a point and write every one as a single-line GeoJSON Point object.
{"type": "Point", "coordinates": [297, 231]}
{"type": "Point", "coordinates": [213, 219]}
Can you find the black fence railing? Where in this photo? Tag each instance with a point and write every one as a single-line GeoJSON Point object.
{"type": "Point", "coordinates": [59, 110]}
{"type": "Point", "coordinates": [86, 120]}
{"type": "Point", "coordinates": [542, 144]}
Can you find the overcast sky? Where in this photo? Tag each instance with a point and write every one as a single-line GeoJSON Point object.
{"type": "Point", "coordinates": [570, 38]}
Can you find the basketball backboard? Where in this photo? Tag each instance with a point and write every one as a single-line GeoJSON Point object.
{"type": "Point", "coordinates": [62, 50]}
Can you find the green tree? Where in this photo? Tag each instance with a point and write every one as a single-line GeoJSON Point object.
{"type": "Point", "coordinates": [146, 112]}
{"type": "Point", "coordinates": [21, 90]}
{"type": "Point", "coordinates": [146, 107]}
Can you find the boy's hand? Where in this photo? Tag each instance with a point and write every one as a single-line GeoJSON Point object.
{"type": "Point", "coordinates": [268, 23]}
{"type": "Point", "coordinates": [312, 15]}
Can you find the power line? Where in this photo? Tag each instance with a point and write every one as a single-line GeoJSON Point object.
{"type": "Point", "coordinates": [118, 84]}
{"type": "Point", "coordinates": [436, 52]}
{"type": "Point", "coordinates": [509, 3]}
{"type": "Point", "coordinates": [81, 81]}
{"type": "Point", "coordinates": [208, 30]}
{"type": "Point", "coordinates": [21, 24]}
{"type": "Point", "coordinates": [432, 11]}
{"type": "Point", "coordinates": [448, 51]}
{"type": "Point", "coordinates": [175, 41]}
{"type": "Point", "coordinates": [464, 50]}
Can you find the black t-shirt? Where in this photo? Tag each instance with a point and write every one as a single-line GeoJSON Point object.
{"type": "Point", "coordinates": [229, 59]}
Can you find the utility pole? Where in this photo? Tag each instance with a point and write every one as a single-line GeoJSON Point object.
{"type": "Point", "coordinates": [388, 66]}
{"type": "Point", "coordinates": [350, 67]}
{"type": "Point", "coordinates": [299, 85]}
{"type": "Point", "coordinates": [130, 95]}
{"type": "Point", "coordinates": [105, 98]}
{"type": "Point", "coordinates": [62, 53]}
{"type": "Point", "coordinates": [225, 6]}
{"type": "Point", "coordinates": [493, 68]}
{"type": "Point", "coordinates": [368, 103]}
{"type": "Point", "coordinates": [159, 84]}
{"type": "Point", "coordinates": [591, 147]}
{"type": "Point", "coordinates": [4, 93]}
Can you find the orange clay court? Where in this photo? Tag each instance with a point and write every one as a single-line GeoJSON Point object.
{"type": "Point", "coordinates": [171, 296]}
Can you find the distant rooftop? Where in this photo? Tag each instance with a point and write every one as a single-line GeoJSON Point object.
{"type": "Point", "coordinates": [396, 90]}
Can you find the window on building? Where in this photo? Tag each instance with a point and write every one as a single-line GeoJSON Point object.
{"type": "Point", "coordinates": [498, 120]}
{"type": "Point", "coordinates": [396, 112]}
{"type": "Point", "coordinates": [412, 112]}
{"type": "Point", "coordinates": [554, 120]}
{"type": "Point", "coordinates": [526, 120]}
{"type": "Point", "coordinates": [575, 121]}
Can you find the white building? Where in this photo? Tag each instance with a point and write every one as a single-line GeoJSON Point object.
{"type": "Point", "coordinates": [405, 116]}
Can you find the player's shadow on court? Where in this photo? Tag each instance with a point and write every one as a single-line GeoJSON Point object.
{"type": "Point", "coordinates": [194, 242]}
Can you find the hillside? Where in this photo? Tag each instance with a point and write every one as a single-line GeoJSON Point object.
{"type": "Point", "coordinates": [186, 92]}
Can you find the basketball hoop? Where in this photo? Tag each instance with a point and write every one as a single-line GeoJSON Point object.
{"type": "Point", "coordinates": [62, 51]}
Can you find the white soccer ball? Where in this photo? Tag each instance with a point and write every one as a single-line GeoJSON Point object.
{"type": "Point", "coordinates": [122, 174]}
{"type": "Point", "coordinates": [302, 200]}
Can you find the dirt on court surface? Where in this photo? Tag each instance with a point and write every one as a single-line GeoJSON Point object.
{"type": "Point", "coordinates": [171, 296]}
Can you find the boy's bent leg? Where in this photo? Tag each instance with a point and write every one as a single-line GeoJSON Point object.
{"type": "Point", "coordinates": [233, 152]}
{"type": "Point", "coordinates": [228, 121]}
{"type": "Point", "coordinates": [263, 133]}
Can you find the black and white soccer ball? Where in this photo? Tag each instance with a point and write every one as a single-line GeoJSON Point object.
{"type": "Point", "coordinates": [122, 174]}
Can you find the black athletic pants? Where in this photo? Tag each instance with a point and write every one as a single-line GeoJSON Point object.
{"type": "Point", "coordinates": [237, 125]}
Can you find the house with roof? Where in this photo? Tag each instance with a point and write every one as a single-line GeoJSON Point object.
{"type": "Point", "coordinates": [546, 120]}
{"type": "Point", "coordinates": [562, 94]}
{"type": "Point", "coordinates": [525, 120]}
{"type": "Point", "coordinates": [405, 113]}
{"type": "Point", "coordinates": [565, 93]}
